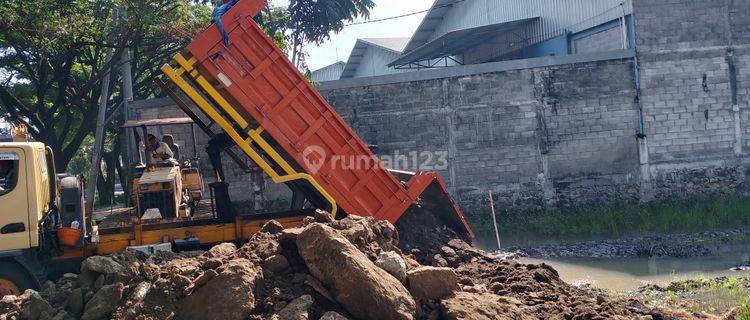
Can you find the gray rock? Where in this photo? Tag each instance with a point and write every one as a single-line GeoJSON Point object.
{"type": "Point", "coordinates": [322, 216]}
{"type": "Point", "coordinates": [99, 283]}
{"type": "Point", "coordinates": [233, 290]}
{"type": "Point", "coordinates": [223, 250]}
{"type": "Point", "coordinates": [290, 234]}
{"type": "Point", "coordinates": [114, 271]}
{"type": "Point", "coordinates": [38, 307]}
{"type": "Point", "coordinates": [87, 296]}
{"type": "Point", "coordinates": [62, 315]}
{"type": "Point", "coordinates": [393, 263]}
{"type": "Point", "coordinates": [71, 276]}
{"type": "Point", "coordinates": [432, 282]}
{"type": "Point", "coordinates": [333, 315]}
{"type": "Point", "coordinates": [103, 302]}
{"type": "Point", "coordinates": [140, 291]}
{"type": "Point", "coordinates": [75, 302]}
{"type": "Point", "coordinates": [86, 279]}
{"type": "Point", "coordinates": [297, 309]}
{"type": "Point", "coordinates": [439, 261]}
{"type": "Point", "coordinates": [276, 263]}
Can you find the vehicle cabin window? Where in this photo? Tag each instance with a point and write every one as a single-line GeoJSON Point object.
{"type": "Point", "coordinates": [8, 172]}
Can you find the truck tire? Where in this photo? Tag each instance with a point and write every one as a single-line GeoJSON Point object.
{"type": "Point", "coordinates": [14, 279]}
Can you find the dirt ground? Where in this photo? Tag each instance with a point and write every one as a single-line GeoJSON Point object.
{"type": "Point", "coordinates": [355, 268]}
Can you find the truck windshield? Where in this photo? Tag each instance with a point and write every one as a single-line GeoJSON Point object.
{"type": "Point", "coordinates": [8, 172]}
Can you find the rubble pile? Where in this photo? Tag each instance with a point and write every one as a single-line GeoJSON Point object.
{"type": "Point", "coordinates": [353, 268]}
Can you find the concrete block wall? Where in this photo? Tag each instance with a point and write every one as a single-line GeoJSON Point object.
{"type": "Point", "coordinates": [538, 137]}
{"type": "Point", "coordinates": [693, 59]}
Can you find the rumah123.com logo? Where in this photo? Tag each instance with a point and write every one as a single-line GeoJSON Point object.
{"type": "Point", "coordinates": [314, 157]}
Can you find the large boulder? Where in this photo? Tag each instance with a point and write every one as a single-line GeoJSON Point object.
{"type": "Point", "coordinates": [103, 302]}
{"type": "Point", "coordinates": [365, 290]}
{"type": "Point", "coordinates": [481, 306]}
{"type": "Point", "coordinates": [228, 295]}
{"type": "Point", "coordinates": [110, 268]}
{"type": "Point", "coordinates": [432, 282]}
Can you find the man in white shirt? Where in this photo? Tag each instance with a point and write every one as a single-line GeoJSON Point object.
{"type": "Point", "coordinates": [159, 151]}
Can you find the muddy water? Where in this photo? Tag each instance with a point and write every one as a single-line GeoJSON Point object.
{"type": "Point", "coordinates": [625, 274]}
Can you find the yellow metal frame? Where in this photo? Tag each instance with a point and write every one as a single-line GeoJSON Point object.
{"type": "Point", "coordinates": [254, 135]}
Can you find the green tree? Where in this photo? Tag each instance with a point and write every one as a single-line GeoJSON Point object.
{"type": "Point", "coordinates": [310, 21]}
{"type": "Point", "coordinates": [52, 59]}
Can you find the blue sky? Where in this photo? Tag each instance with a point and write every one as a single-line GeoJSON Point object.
{"type": "Point", "coordinates": [340, 45]}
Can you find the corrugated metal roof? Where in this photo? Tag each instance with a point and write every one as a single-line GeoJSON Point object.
{"type": "Point", "coordinates": [395, 45]}
{"type": "Point", "coordinates": [429, 23]}
{"type": "Point", "coordinates": [556, 16]}
{"type": "Point", "coordinates": [329, 72]}
{"type": "Point", "coordinates": [456, 42]}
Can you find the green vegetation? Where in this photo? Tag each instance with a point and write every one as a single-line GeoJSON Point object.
{"type": "Point", "coordinates": [714, 296]}
{"type": "Point", "coordinates": [621, 219]}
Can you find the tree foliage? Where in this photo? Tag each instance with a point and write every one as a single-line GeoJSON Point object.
{"type": "Point", "coordinates": [310, 21]}
{"type": "Point", "coordinates": [52, 59]}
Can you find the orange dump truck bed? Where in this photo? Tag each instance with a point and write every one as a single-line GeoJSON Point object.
{"type": "Point", "coordinates": [273, 112]}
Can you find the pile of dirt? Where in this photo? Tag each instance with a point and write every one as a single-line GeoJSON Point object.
{"type": "Point", "coordinates": [347, 269]}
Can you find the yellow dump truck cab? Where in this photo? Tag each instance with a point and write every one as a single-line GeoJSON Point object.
{"type": "Point", "coordinates": [38, 210]}
{"type": "Point", "coordinates": [27, 189]}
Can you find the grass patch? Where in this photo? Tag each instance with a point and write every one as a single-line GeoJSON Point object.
{"type": "Point", "coordinates": [622, 219]}
{"type": "Point", "coordinates": [713, 296]}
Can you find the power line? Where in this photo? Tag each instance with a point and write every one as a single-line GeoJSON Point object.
{"type": "Point", "coordinates": [404, 15]}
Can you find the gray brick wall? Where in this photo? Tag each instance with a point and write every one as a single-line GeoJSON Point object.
{"type": "Point", "coordinates": [536, 137]}
{"type": "Point", "coordinates": [694, 58]}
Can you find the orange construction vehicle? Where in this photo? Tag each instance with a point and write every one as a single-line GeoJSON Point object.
{"type": "Point", "coordinates": [267, 108]}
{"type": "Point", "coordinates": [262, 105]}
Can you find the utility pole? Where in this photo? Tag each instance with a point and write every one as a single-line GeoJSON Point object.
{"type": "Point", "coordinates": [494, 220]}
{"type": "Point", "coordinates": [96, 159]}
{"type": "Point", "coordinates": [127, 98]}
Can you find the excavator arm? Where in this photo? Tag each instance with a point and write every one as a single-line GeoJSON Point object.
{"type": "Point", "coordinates": [276, 117]}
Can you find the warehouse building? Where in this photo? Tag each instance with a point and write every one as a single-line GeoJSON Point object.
{"type": "Point", "coordinates": [465, 32]}
{"type": "Point", "coordinates": [328, 73]}
{"type": "Point", "coordinates": [371, 56]}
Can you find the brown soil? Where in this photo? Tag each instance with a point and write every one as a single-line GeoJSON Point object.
{"type": "Point", "coordinates": [268, 273]}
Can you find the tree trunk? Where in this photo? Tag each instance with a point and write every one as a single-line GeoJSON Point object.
{"type": "Point", "coordinates": [106, 183]}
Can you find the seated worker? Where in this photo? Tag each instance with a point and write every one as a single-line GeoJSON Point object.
{"type": "Point", "coordinates": [169, 140]}
{"type": "Point", "coordinates": [7, 176]}
{"type": "Point", "coordinates": [159, 152]}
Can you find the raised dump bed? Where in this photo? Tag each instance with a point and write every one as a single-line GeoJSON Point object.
{"type": "Point", "coordinates": [274, 114]}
